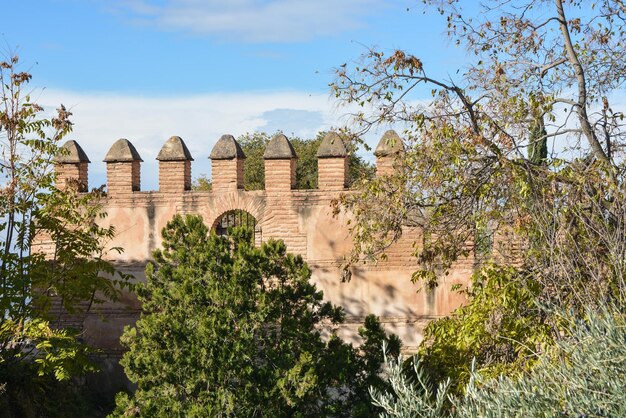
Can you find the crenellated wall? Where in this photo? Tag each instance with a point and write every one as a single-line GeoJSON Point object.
{"type": "Point", "coordinates": [302, 218]}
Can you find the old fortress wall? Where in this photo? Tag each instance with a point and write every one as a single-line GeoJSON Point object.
{"type": "Point", "coordinates": [303, 219]}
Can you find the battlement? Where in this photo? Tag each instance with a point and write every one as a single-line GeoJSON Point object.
{"type": "Point", "coordinates": [123, 164]}
{"type": "Point", "coordinates": [304, 220]}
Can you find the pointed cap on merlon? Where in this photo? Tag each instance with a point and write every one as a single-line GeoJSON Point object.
{"type": "Point", "coordinates": [332, 146]}
{"type": "Point", "coordinates": [279, 148]}
{"type": "Point", "coordinates": [227, 148]}
{"type": "Point", "coordinates": [389, 144]}
{"type": "Point", "coordinates": [174, 149]}
{"type": "Point", "coordinates": [71, 152]}
{"type": "Point", "coordinates": [122, 151]}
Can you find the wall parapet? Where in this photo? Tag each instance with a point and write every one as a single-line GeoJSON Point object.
{"type": "Point", "coordinates": [303, 219]}
{"type": "Point", "coordinates": [72, 164]}
{"type": "Point", "coordinates": [227, 161]}
{"type": "Point", "coordinates": [174, 166]}
{"type": "Point", "coordinates": [123, 168]}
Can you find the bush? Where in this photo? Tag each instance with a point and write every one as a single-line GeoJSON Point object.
{"type": "Point", "coordinates": [499, 330]}
{"type": "Point", "coordinates": [583, 375]}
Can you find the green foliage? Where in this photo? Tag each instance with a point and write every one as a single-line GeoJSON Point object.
{"type": "Point", "coordinates": [202, 184]}
{"type": "Point", "coordinates": [36, 216]}
{"type": "Point", "coordinates": [78, 272]}
{"type": "Point", "coordinates": [499, 331]}
{"type": "Point", "coordinates": [410, 396]}
{"type": "Point", "coordinates": [23, 394]}
{"type": "Point", "coordinates": [584, 374]}
{"type": "Point", "coordinates": [253, 146]}
{"type": "Point", "coordinates": [231, 329]}
{"type": "Point", "coordinates": [306, 170]}
{"type": "Point", "coordinates": [538, 142]}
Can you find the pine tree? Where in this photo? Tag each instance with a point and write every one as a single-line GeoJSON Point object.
{"type": "Point", "coordinates": [230, 329]}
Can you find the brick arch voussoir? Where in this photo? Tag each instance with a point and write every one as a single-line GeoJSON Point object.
{"type": "Point", "coordinates": [254, 206]}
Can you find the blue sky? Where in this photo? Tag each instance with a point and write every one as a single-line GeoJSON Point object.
{"type": "Point", "coordinates": [149, 69]}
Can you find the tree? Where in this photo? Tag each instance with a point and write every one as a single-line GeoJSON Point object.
{"type": "Point", "coordinates": [36, 288]}
{"type": "Point", "coordinates": [535, 63]}
{"type": "Point", "coordinates": [254, 144]}
{"type": "Point", "coordinates": [231, 329]}
{"type": "Point", "coordinates": [538, 142]}
{"type": "Point", "coordinates": [410, 395]}
{"type": "Point", "coordinates": [202, 184]}
{"type": "Point", "coordinates": [582, 376]}
{"type": "Point", "coordinates": [525, 140]}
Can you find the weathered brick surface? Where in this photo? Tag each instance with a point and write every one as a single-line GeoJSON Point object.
{"type": "Point", "coordinates": [174, 176]}
{"type": "Point", "coordinates": [332, 173]}
{"type": "Point", "coordinates": [123, 178]}
{"type": "Point", "coordinates": [74, 171]}
{"type": "Point", "coordinates": [227, 174]}
{"type": "Point", "coordinates": [385, 165]}
{"type": "Point", "coordinates": [280, 175]}
{"type": "Point", "coordinates": [43, 243]}
{"type": "Point", "coordinates": [303, 219]}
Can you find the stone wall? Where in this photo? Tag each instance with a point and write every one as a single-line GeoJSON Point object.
{"type": "Point", "coordinates": [303, 219]}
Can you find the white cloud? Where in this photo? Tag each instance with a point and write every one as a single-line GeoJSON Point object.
{"type": "Point", "coordinates": [101, 119]}
{"type": "Point", "coordinates": [253, 20]}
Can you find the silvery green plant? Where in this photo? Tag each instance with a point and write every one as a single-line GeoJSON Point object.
{"type": "Point", "coordinates": [583, 375]}
{"type": "Point", "coordinates": [410, 396]}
